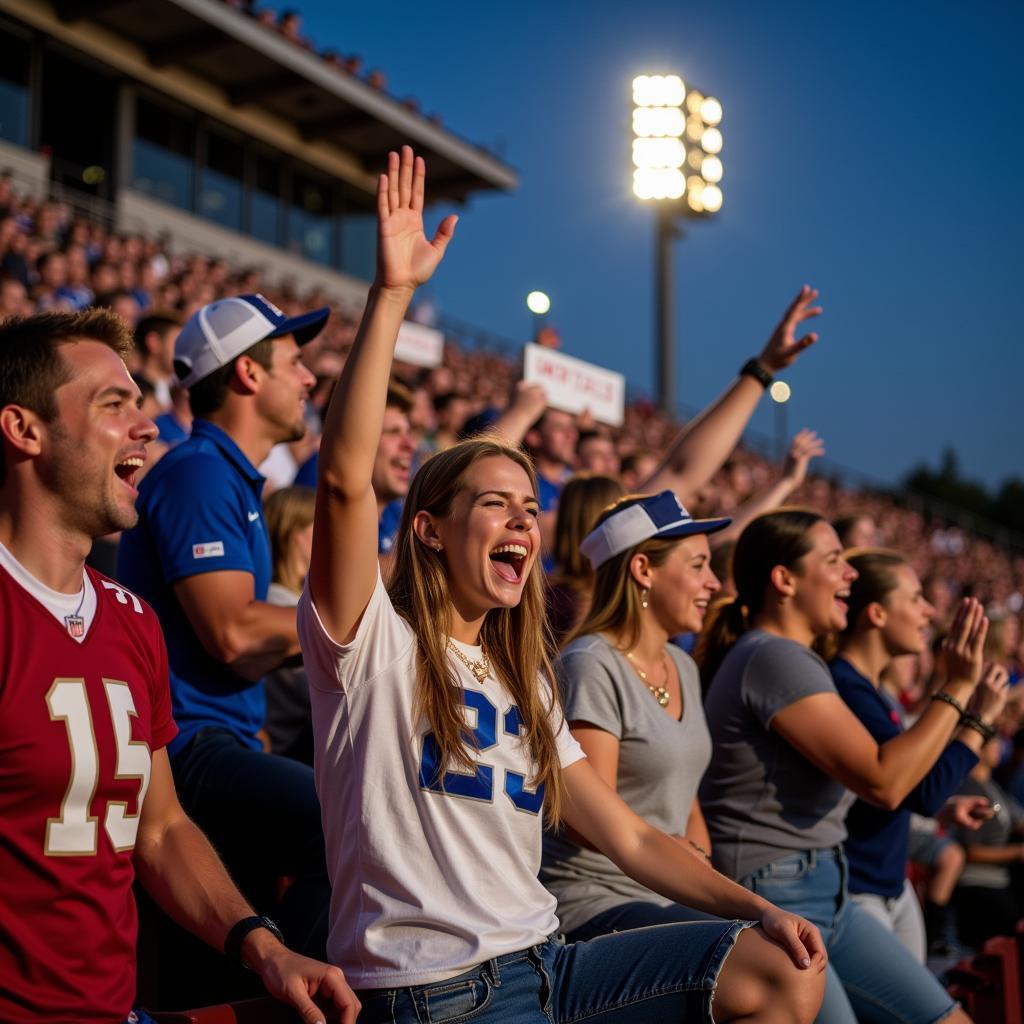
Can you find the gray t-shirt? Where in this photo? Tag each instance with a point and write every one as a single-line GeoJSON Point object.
{"type": "Point", "coordinates": [761, 798]}
{"type": "Point", "coordinates": [660, 764]}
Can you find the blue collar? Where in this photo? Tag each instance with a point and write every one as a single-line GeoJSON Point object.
{"type": "Point", "coordinates": [211, 432]}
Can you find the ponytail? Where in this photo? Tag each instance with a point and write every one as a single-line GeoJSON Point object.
{"type": "Point", "coordinates": [775, 538]}
{"type": "Point", "coordinates": [727, 621]}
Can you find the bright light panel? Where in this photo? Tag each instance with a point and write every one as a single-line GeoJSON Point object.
{"type": "Point", "coordinates": [657, 121]}
{"type": "Point", "coordinates": [658, 153]}
{"type": "Point", "coordinates": [658, 183]}
{"type": "Point", "coordinates": [694, 128]}
{"type": "Point", "coordinates": [711, 169]}
{"type": "Point", "coordinates": [711, 141]}
{"type": "Point", "coordinates": [711, 197]}
{"type": "Point", "coordinates": [693, 102]}
{"type": "Point", "coordinates": [711, 110]}
{"type": "Point", "coordinates": [658, 91]}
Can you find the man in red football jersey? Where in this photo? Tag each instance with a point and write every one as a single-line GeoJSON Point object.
{"type": "Point", "coordinates": [86, 796]}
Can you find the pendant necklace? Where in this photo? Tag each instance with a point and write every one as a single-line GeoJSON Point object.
{"type": "Point", "coordinates": [74, 623]}
{"type": "Point", "coordinates": [481, 668]}
{"type": "Point", "coordinates": [659, 693]}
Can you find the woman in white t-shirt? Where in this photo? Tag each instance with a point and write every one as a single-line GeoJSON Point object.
{"type": "Point", "coordinates": [439, 745]}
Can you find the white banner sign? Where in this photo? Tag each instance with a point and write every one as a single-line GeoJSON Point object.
{"type": "Point", "coordinates": [419, 345]}
{"type": "Point", "coordinates": [573, 385]}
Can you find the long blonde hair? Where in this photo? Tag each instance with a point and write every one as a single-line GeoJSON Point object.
{"type": "Point", "coordinates": [285, 512]}
{"type": "Point", "coordinates": [517, 640]}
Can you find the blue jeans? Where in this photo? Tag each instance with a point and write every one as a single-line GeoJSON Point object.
{"type": "Point", "coordinates": [666, 973]}
{"type": "Point", "coordinates": [871, 976]}
{"type": "Point", "coordinates": [637, 914]}
{"type": "Point", "coordinates": [261, 813]}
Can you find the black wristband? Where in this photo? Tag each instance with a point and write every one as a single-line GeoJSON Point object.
{"type": "Point", "coordinates": [240, 929]}
{"type": "Point", "coordinates": [970, 721]}
{"type": "Point", "coordinates": [752, 368]}
{"type": "Point", "coordinates": [949, 699]}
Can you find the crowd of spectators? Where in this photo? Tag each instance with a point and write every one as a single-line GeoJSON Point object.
{"type": "Point", "coordinates": [53, 258]}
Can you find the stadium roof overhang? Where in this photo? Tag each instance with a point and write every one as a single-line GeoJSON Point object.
{"type": "Point", "coordinates": [256, 66]}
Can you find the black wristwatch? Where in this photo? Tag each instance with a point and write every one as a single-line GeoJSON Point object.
{"type": "Point", "coordinates": [239, 930]}
{"type": "Point", "coordinates": [752, 368]}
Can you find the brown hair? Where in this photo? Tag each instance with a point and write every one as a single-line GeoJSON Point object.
{"type": "Point", "coordinates": [285, 512]}
{"type": "Point", "coordinates": [158, 322]}
{"type": "Point", "coordinates": [209, 394]}
{"type": "Point", "coordinates": [615, 608]}
{"type": "Point", "coordinates": [582, 500]}
{"type": "Point", "coordinates": [517, 640]}
{"type": "Point", "coordinates": [31, 366]}
{"type": "Point", "coordinates": [775, 538]}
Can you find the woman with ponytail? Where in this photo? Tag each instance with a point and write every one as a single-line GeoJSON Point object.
{"type": "Point", "coordinates": [441, 745]}
{"type": "Point", "coordinates": [790, 756]}
{"type": "Point", "coordinates": [889, 617]}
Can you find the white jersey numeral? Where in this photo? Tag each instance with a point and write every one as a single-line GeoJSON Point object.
{"type": "Point", "coordinates": [73, 831]}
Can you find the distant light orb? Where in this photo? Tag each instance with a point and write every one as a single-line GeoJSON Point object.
{"type": "Point", "coordinates": [711, 197]}
{"type": "Point", "coordinates": [693, 102]}
{"type": "Point", "coordinates": [538, 302]}
{"type": "Point", "coordinates": [780, 391]}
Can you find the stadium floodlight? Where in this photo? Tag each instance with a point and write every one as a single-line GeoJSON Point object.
{"type": "Point", "coordinates": [677, 168]}
{"type": "Point", "coordinates": [780, 391]}
{"type": "Point", "coordinates": [538, 303]}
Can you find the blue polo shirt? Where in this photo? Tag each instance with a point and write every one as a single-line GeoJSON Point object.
{"type": "Point", "coordinates": [876, 845]}
{"type": "Point", "coordinates": [390, 518]}
{"type": "Point", "coordinates": [200, 510]}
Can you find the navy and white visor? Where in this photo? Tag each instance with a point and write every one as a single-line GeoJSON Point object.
{"type": "Point", "coordinates": [223, 330]}
{"type": "Point", "coordinates": [639, 519]}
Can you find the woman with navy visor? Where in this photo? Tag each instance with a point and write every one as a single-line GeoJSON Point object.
{"type": "Point", "coordinates": [633, 702]}
{"type": "Point", "coordinates": [441, 744]}
{"type": "Point", "coordinates": [888, 616]}
{"type": "Point", "coordinates": [790, 756]}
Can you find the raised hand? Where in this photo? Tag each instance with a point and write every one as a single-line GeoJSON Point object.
{"type": "Point", "coordinates": [990, 697]}
{"type": "Point", "coordinates": [804, 447]}
{"type": "Point", "coordinates": [964, 647]}
{"type": "Point", "coordinates": [405, 258]}
{"type": "Point", "coordinates": [783, 346]}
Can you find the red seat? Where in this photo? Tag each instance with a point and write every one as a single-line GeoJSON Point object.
{"type": "Point", "coordinates": [249, 1011]}
{"type": "Point", "coordinates": [999, 960]}
{"type": "Point", "coordinates": [976, 992]}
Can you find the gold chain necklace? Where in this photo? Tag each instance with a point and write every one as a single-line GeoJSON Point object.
{"type": "Point", "coordinates": [660, 693]}
{"type": "Point", "coordinates": [481, 669]}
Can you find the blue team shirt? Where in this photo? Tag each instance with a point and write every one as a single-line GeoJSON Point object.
{"type": "Point", "coordinates": [200, 510]}
{"type": "Point", "coordinates": [387, 527]}
{"type": "Point", "coordinates": [876, 844]}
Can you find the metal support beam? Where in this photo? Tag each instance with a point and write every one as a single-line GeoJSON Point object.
{"type": "Point", "coordinates": [261, 88]}
{"type": "Point", "coordinates": [336, 123]}
{"type": "Point", "coordinates": [191, 44]}
{"type": "Point", "coordinates": [664, 305]}
{"type": "Point", "coordinates": [75, 10]}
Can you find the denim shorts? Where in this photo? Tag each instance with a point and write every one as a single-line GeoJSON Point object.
{"type": "Point", "coordinates": [665, 973]}
{"type": "Point", "coordinates": [871, 976]}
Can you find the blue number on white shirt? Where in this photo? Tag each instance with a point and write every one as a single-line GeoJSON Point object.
{"type": "Point", "coordinates": [515, 784]}
{"type": "Point", "coordinates": [479, 786]}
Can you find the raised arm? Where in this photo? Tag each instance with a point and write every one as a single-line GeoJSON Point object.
{"type": "Point", "coordinates": [804, 447]}
{"type": "Point", "coordinates": [700, 448]}
{"type": "Point", "coordinates": [831, 736]}
{"type": "Point", "coordinates": [344, 563]}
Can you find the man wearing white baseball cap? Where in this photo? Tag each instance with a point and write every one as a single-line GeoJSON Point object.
{"type": "Point", "coordinates": [200, 555]}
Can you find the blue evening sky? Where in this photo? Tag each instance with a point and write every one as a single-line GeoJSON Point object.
{"type": "Point", "coordinates": [872, 149]}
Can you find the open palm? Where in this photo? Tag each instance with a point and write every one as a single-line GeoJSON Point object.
{"type": "Point", "coordinates": [405, 258]}
{"type": "Point", "coordinates": [784, 346]}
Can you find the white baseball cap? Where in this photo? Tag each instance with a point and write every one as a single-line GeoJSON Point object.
{"type": "Point", "coordinates": [223, 330]}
